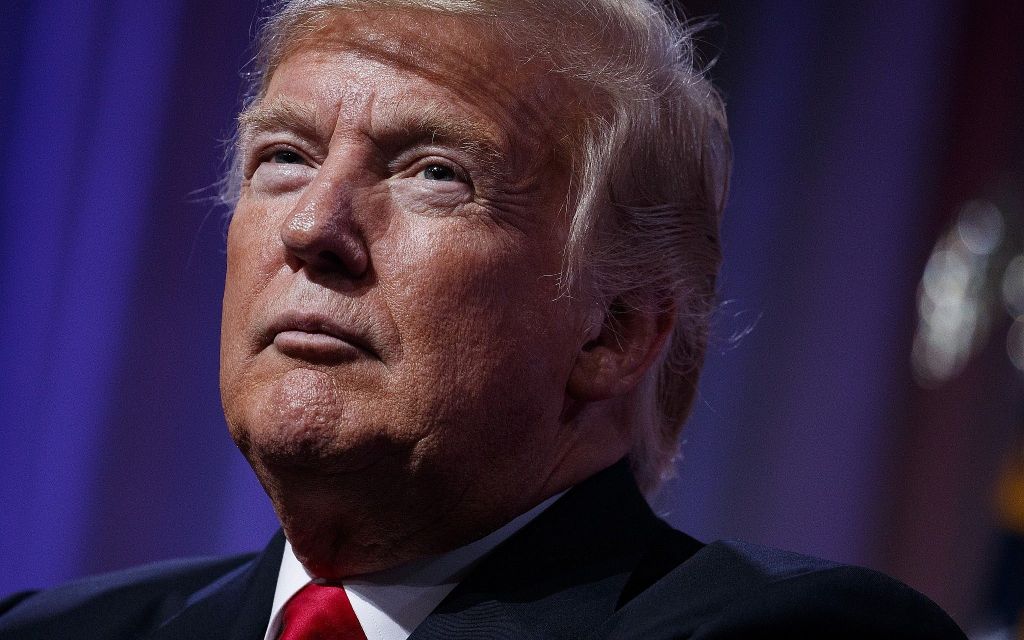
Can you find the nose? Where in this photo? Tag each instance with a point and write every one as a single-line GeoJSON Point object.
{"type": "Point", "coordinates": [321, 233]}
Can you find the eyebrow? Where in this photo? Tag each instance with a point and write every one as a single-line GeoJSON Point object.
{"type": "Point", "coordinates": [438, 125]}
{"type": "Point", "coordinates": [282, 114]}
{"type": "Point", "coordinates": [393, 126]}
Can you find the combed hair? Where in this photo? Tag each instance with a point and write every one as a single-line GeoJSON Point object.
{"type": "Point", "coordinates": [650, 161]}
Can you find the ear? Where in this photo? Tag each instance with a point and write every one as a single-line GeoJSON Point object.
{"type": "Point", "coordinates": [620, 345]}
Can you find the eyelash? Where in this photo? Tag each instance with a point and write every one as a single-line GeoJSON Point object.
{"type": "Point", "coordinates": [434, 161]}
{"type": "Point", "coordinates": [268, 156]}
{"type": "Point", "coordinates": [298, 157]}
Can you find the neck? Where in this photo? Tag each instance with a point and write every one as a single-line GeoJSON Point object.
{"type": "Point", "coordinates": [384, 516]}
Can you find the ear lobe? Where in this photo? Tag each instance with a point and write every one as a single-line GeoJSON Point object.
{"type": "Point", "coordinates": [617, 351]}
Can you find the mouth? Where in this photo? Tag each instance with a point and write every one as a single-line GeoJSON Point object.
{"type": "Point", "coordinates": [318, 339]}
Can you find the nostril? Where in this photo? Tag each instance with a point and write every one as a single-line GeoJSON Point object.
{"type": "Point", "coordinates": [330, 244]}
{"type": "Point", "coordinates": [331, 260]}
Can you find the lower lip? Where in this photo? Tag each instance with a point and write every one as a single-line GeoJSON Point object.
{"type": "Point", "coordinates": [316, 347]}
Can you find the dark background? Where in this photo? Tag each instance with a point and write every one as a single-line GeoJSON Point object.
{"type": "Point", "coordinates": [860, 131]}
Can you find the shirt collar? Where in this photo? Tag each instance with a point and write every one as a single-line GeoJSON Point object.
{"type": "Point", "coordinates": [391, 603]}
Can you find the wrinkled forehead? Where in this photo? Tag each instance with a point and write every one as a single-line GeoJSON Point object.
{"type": "Point", "coordinates": [416, 38]}
{"type": "Point", "coordinates": [463, 55]}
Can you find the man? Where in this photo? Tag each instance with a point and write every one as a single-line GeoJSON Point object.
{"type": "Point", "coordinates": [470, 265]}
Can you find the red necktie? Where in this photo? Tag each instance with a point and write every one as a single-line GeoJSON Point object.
{"type": "Point", "coordinates": [320, 612]}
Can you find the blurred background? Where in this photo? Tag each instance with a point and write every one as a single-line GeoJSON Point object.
{"type": "Point", "coordinates": [862, 399]}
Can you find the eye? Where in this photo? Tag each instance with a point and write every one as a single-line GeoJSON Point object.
{"type": "Point", "coordinates": [279, 169]}
{"type": "Point", "coordinates": [286, 156]}
{"type": "Point", "coordinates": [439, 172]}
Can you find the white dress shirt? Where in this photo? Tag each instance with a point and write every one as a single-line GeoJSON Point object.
{"type": "Point", "coordinates": [391, 603]}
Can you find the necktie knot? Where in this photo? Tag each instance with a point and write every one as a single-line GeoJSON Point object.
{"type": "Point", "coordinates": [320, 612]}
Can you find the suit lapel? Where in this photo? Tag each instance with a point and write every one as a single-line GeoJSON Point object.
{"type": "Point", "coordinates": [235, 607]}
{"type": "Point", "coordinates": [561, 575]}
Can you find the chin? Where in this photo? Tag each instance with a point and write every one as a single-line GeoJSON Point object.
{"type": "Point", "coordinates": [320, 455]}
{"type": "Point", "coordinates": [319, 547]}
{"type": "Point", "coordinates": [296, 419]}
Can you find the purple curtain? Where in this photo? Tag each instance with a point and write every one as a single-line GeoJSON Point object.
{"type": "Point", "coordinates": [834, 112]}
{"type": "Point", "coordinates": [113, 446]}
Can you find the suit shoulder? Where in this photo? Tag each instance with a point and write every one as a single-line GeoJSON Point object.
{"type": "Point", "coordinates": [123, 603]}
{"type": "Point", "coordinates": [732, 589]}
{"type": "Point", "coordinates": [838, 602]}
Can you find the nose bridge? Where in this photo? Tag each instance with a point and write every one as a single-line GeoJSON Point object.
{"type": "Point", "coordinates": [321, 230]}
{"type": "Point", "coordinates": [326, 204]}
{"type": "Point", "coordinates": [327, 200]}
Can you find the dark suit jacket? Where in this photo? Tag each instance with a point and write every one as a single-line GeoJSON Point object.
{"type": "Point", "coordinates": [596, 564]}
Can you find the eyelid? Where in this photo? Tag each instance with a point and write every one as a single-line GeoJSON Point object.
{"type": "Point", "coordinates": [264, 144]}
{"type": "Point", "coordinates": [268, 154]}
{"type": "Point", "coordinates": [460, 174]}
{"type": "Point", "coordinates": [414, 161]}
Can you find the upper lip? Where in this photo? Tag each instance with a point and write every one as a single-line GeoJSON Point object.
{"type": "Point", "coordinates": [315, 322]}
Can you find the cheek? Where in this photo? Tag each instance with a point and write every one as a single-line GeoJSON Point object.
{"type": "Point", "coordinates": [302, 409]}
{"type": "Point", "coordinates": [452, 280]}
{"type": "Point", "coordinates": [254, 248]}
{"type": "Point", "coordinates": [476, 311]}
{"type": "Point", "coordinates": [253, 257]}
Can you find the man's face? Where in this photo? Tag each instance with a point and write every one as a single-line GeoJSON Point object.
{"type": "Point", "coordinates": [392, 303]}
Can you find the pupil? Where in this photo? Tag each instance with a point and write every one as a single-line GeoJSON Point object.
{"type": "Point", "coordinates": [286, 157]}
{"type": "Point", "coordinates": [438, 172]}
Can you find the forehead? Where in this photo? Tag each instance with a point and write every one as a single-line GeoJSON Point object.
{"type": "Point", "coordinates": [452, 65]}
